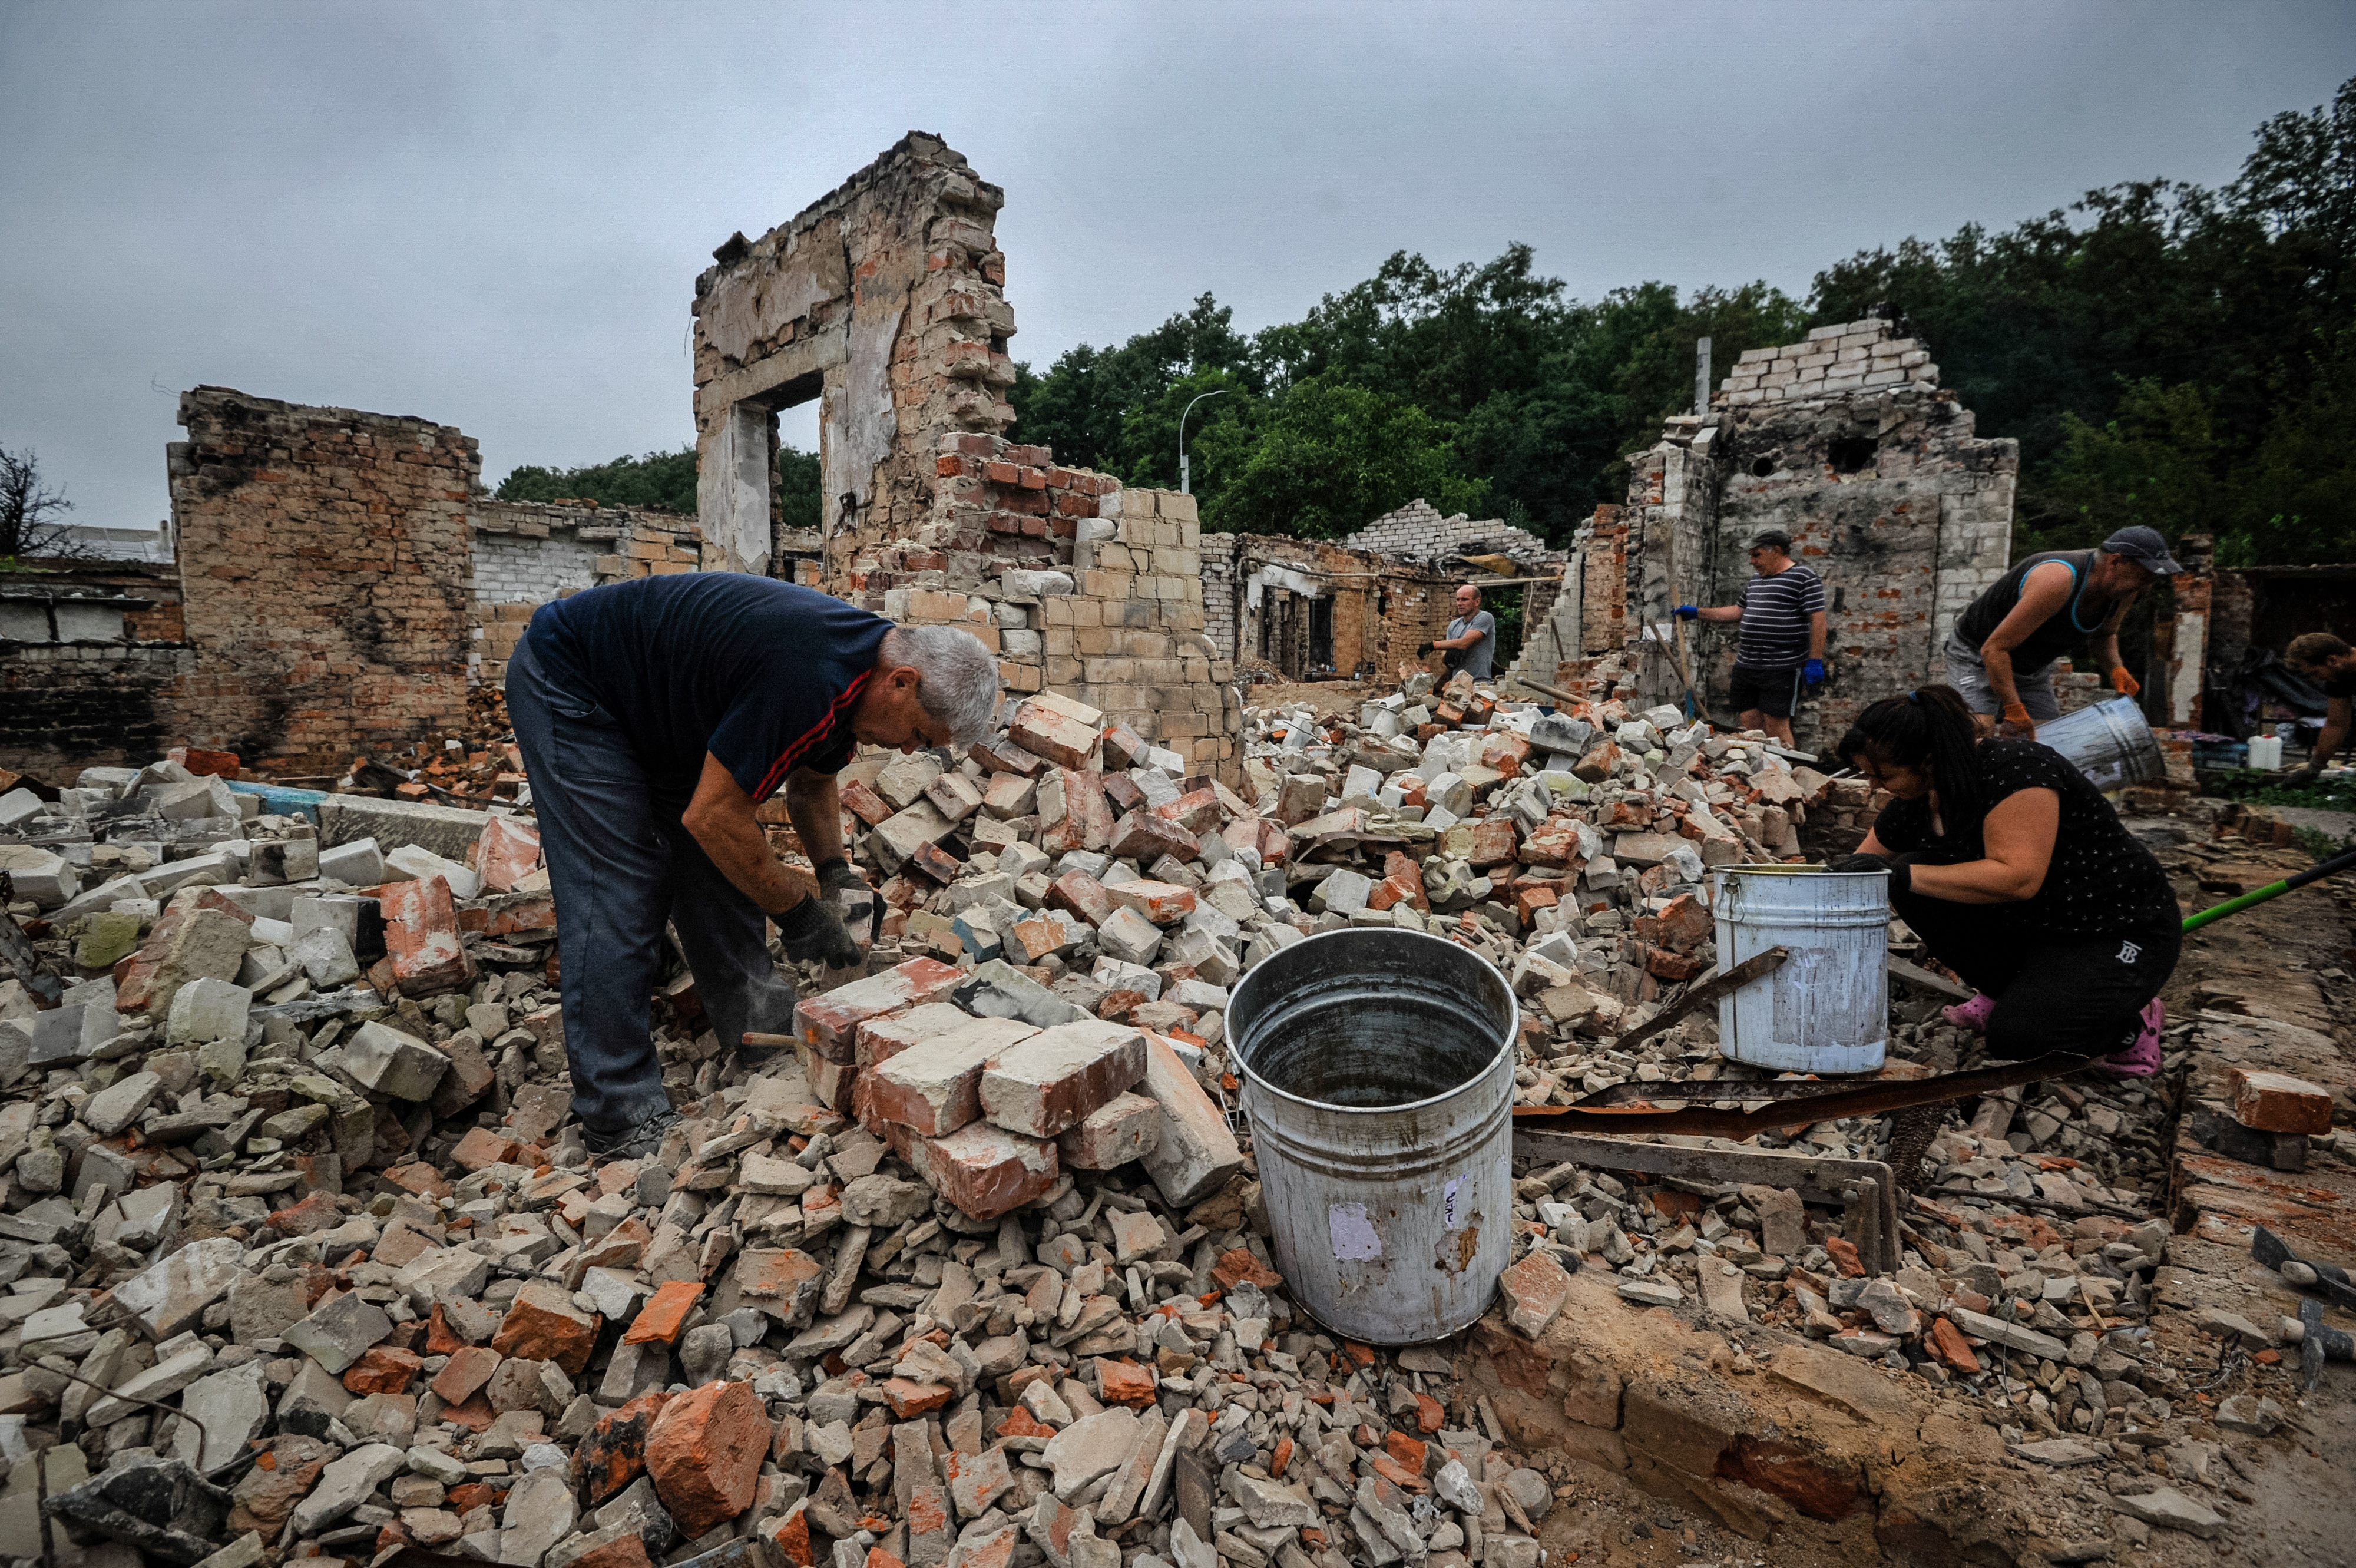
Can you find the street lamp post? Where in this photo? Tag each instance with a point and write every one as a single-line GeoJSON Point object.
{"type": "Point", "coordinates": [1185, 482]}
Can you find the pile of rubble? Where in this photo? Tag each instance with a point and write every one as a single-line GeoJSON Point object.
{"type": "Point", "coordinates": [304, 1256]}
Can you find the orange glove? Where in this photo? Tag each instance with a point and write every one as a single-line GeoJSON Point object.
{"type": "Point", "coordinates": [2017, 720]}
{"type": "Point", "coordinates": [2125, 685]}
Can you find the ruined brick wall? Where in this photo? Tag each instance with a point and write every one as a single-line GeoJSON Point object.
{"type": "Point", "coordinates": [528, 553]}
{"type": "Point", "coordinates": [1846, 441]}
{"type": "Point", "coordinates": [1376, 608]}
{"type": "Point", "coordinates": [1219, 591]}
{"type": "Point", "coordinates": [328, 577]}
{"type": "Point", "coordinates": [885, 297]}
{"type": "Point", "coordinates": [1417, 531]}
{"type": "Point", "coordinates": [91, 656]}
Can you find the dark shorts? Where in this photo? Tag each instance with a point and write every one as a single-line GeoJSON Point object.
{"type": "Point", "coordinates": [1774, 693]}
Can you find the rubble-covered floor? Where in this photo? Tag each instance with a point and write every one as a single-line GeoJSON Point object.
{"type": "Point", "coordinates": [976, 1274]}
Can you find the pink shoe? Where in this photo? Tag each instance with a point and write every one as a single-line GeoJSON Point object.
{"type": "Point", "coordinates": [2142, 1058]}
{"type": "Point", "coordinates": [1972, 1015]}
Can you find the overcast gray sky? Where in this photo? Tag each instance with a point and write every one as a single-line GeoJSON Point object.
{"type": "Point", "coordinates": [492, 215]}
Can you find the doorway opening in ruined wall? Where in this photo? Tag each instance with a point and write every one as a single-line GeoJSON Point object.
{"type": "Point", "coordinates": [749, 518]}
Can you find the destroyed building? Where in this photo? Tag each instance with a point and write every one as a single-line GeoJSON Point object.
{"type": "Point", "coordinates": [305, 1260]}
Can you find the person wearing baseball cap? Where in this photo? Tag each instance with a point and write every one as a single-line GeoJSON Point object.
{"type": "Point", "coordinates": [2001, 651]}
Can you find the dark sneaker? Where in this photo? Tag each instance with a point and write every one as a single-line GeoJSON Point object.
{"type": "Point", "coordinates": [637, 1141]}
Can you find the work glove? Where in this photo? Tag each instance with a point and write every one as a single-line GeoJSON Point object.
{"type": "Point", "coordinates": [2125, 685]}
{"type": "Point", "coordinates": [1812, 671]}
{"type": "Point", "coordinates": [835, 874]}
{"type": "Point", "coordinates": [1901, 871]}
{"type": "Point", "coordinates": [1688, 612]}
{"type": "Point", "coordinates": [813, 930]}
{"type": "Point", "coordinates": [2017, 725]}
{"type": "Point", "coordinates": [2301, 778]}
{"type": "Point", "coordinates": [1423, 650]}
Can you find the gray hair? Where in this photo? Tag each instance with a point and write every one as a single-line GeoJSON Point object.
{"type": "Point", "coordinates": [960, 684]}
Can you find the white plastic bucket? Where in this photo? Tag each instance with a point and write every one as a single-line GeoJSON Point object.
{"type": "Point", "coordinates": [1826, 1007]}
{"type": "Point", "coordinates": [1377, 1072]}
{"type": "Point", "coordinates": [2111, 743]}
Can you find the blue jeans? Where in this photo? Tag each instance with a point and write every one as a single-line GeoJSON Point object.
{"type": "Point", "coordinates": [621, 864]}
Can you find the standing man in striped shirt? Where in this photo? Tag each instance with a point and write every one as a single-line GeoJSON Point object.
{"type": "Point", "coordinates": [1783, 644]}
{"type": "Point", "coordinates": [653, 715]}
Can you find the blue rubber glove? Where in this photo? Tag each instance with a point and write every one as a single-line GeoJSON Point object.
{"type": "Point", "coordinates": [1688, 612]}
{"type": "Point", "coordinates": [1812, 671]}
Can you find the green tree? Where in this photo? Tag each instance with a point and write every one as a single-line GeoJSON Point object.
{"type": "Point", "coordinates": [2153, 465]}
{"type": "Point", "coordinates": [1324, 458]}
{"type": "Point", "coordinates": [662, 480]}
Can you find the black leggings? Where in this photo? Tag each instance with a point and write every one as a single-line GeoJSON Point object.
{"type": "Point", "coordinates": [2052, 993]}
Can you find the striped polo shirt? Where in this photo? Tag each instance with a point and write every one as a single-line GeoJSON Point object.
{"type": "Point", "coordinates": [1775, 612]}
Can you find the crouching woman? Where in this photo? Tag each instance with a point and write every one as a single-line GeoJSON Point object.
{"type": "Point", "coordinates": [2016, 874]}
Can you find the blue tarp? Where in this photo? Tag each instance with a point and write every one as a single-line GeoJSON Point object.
{"type": "Point", "coordinates": [277, 801]}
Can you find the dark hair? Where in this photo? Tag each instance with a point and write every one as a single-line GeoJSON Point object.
{"type": "Point", "coordinates": [1930, 730]}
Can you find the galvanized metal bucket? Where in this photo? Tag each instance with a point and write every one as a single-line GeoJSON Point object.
{"type": "Point", "coordinates": [1826, 1008]}
{"type": "Point", "coordinates": [1378, 1071]}
{"type": "Point", "coordinates": [2110, 742]}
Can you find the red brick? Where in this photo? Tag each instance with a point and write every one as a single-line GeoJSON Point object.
{"type": "Point", "coordinates": [1060, 738]}
{"type": "Point", "coordinates": [985, 1170]}
{"type": "Point", "coordinates": [1048, 1081]}
{"type": "Point", "coordinates": [1493, 842]}
{"type": "Point", "coordinates": [420, 938]}
{"type": "Point", "coordinates": [1087, 822]}
{"type": "Point", "coordinates": [829, 1023]}
{"type": "Point", "coordinates": [661, 1319]}
{"type": "Point", "coordinates": [1948, 1344]}
{"type": "Point", "coordinates": [865, 803]}
{"type": "Point", "coordinates": [1506, 752]}
{"type": "Point", "coordinates": [2278, 1103]}
{"type": "Point", "coordinates": [544, 1326]}
{"type": "Point", "coordinates": [704, 1452]}
{"type": "Point", "coordinates": [1076, 892]}
{"type": "Point", "coordinates": [615, 1453]}
{"type": "Point", "coordinates": [909, 1399]}
{"type": "Point", "coordinates": [382, 1370]}
{"type": "Point", "coordinates": [1125, 1382]}
{"type": "Point", "coordinates": [211, 764]}
{"type": "Point", "coordinates": [468, 1369]}
{"type": "Point", "coordinates": [1146, 838]}
{"type": "Point", "coordinates": [1672, 966]}
{"type": "Point", "coordinates": [1163, 903]}
{"type": "Point", "coordinates": [1528, 901]}
{"type": "Point", "coordinates": [1844, 1256]}
{"type": "Point", "coordinates": [934, 1087]}
{"type": "Point", "coordinates": [1197, 810]}
{"type": "Point", "coordinates": [1686, 923]}
{"type": "Point", "coordinates": [481, 1148]}
{"type": "Point", "coordinates": [507, 850]}
{"type": "Point", "coordinates": [1239, 1267]}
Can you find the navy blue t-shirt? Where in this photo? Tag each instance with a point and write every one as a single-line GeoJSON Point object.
{"type": "Point", "coordinates": [761, 674]}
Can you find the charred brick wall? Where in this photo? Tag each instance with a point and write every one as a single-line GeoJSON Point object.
{"type": "Point", "coordinates": [91, 663]}
{"type": "Point", "coordinates": [328, 577]}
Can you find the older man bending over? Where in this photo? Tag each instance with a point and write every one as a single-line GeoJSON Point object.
{"type": "Point", "coordinates": [653, 715]}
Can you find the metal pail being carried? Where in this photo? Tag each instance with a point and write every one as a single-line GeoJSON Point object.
{"type": "Point", "coordinates": [1826, 1007]}
{"type": "Point", "coordinates": [2111, 743]}
{"type": "Point", "coordinates": [1378, 1071]}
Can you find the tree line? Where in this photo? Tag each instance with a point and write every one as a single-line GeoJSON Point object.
{"type": "Point", "coordinates": [2164, 353]}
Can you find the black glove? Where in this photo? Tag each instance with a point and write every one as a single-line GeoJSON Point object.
{"type": "Point", "coordinates": [812, 930]}
{"type": "Point", "coordinates": [2301, 778]}
{"type": "Point", "coordinates": [835, 874]}
{"type": "Point", "coordinates": [1422, 650]}
{"type": "Point", "coordinates": [1902, 870]}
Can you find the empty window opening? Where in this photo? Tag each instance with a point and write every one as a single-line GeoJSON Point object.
{"type": "Point", "coordinates": [1761, 467]}
{"type": "Point", "coordinates": [1853, 454]}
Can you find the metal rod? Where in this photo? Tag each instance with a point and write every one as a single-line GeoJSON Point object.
{"type": "Point", "coordinates": [1704, 993]}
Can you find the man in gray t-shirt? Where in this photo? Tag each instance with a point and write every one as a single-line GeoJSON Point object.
{"type": "Point", "coordinates": [1472, 637]}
